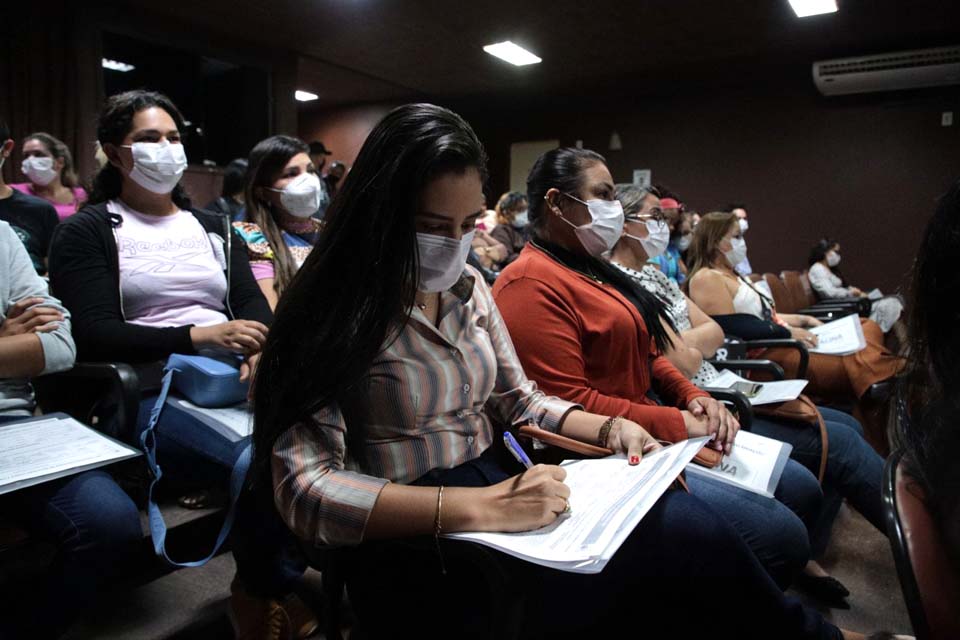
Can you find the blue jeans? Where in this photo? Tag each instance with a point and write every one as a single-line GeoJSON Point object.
{"type": "Point", "coordinates": [191, 454]}
{"type": "Point", "coordinates": [777, 531]}
{"type": "Point", "coordinates": [854, 470]}
{"type": "Point", "coordinates": [96, 528]}
{"type": "Point", "coordinates": [681, 548]}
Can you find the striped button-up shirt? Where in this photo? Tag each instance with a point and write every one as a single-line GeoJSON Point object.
{"type": "Point", "coordinates": [431, 396]}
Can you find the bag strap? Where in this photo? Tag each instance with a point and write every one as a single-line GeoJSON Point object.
{"type": "Point", "coordinates": [824, 439]}
{"type": "Point", "coordinates": [158, 528]}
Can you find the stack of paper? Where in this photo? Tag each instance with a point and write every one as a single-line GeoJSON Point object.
{"type": "Point", "coordinates": [608, 498]}
{"type": "Point", "coordinates": [41, 449]}
{"type": "Point", "coordinates": [769, 393]}
{"type": "Point", "coordinates": [755, 463]}
{"type": "Point", "coordinates": [234, 423]}
{"type": "Point", "coordinates": [840, 337]}
{"type": "Point", "coordinates": [875, 295]}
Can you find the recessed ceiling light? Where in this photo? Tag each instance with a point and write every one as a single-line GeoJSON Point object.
{"type": "Point", "coordinates": [804, 8]}
{"type": "Point", "coordinates": [514, 54]}
{"type": "Point", "coordinates": [114, 65]}
{"type": "Point", "coordinates": [304, 96]}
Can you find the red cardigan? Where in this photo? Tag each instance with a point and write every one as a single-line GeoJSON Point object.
{"type": "Point", "coordinates": [585, 342]}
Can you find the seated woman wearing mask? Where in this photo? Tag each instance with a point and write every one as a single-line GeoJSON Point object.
{"type": "Point", "coordinates": [586, 333]}
{"type": "Point", "coordinates": [48, 164]}
{"type": "Point", "coordinates": [744, 311]}
{"type": "Point", "coordinates": [853, 469]}
{"type": "Point", "coordinates": [828, 283]}
{"type": "Point", "coordinates": [512, 222]}
{"type": "Point", "coordinates": [146, 276]}
{"type": "Point", "coordinates": [670, 261]}
{"type": "Point", "coordinates": [282, 193]}
{"type": "Point", "coordinates": [373, 426]}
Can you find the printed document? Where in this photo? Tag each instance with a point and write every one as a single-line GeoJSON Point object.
{"type": "Point", "coordinates": [41, 449]}
{"type": "Point", "coordinates": [234, 423]}
{"type": "Point", "coordinates": [608, 498]}
{"type": "Point", "coordinates": [840, 337]}
{"type": "Point", "coordinates": [769, 393]}
{"type": "Point", "coordinates": [755, 463]}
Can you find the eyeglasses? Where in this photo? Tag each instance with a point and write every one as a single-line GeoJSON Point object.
{"type": "Point", "coordinates": [653, 214]}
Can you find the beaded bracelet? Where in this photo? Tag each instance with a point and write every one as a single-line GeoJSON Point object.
{"type": "Point", "coordinates": [605, 430]}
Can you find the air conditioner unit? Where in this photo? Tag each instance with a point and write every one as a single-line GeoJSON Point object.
{"type": "Point", "coordinates": [888, 72]}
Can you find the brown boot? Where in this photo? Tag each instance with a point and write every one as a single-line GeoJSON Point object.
{"type": "Point", "coordinates": [256, 618]}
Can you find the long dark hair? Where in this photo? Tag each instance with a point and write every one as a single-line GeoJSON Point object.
{"type": "Point", "coordinates": [116, 120]}
{"type": "Point", "coordinates": [819, 252]}
{"type": "Point", "coordinates": [563, 169]}
{"type": "Point", "coordinates": [354, 293]}
{"type": "Point", "coordinates": [265, 164]}
{"type": "Point", "coordinates": [930, 391]}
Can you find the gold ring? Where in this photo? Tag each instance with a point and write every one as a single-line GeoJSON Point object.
{"type": "Point", "coordinates": [566, 506]}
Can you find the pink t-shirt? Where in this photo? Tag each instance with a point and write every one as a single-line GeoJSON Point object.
{"type": "Point", "coordinates": [63, 210]}
{"type": "Point", "coordinates": [171, 269]}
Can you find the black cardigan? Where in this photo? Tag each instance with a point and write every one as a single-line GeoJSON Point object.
{"type": "Point", "coordinates": [85, 275]}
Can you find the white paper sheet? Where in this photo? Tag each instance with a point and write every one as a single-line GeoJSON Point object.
{"type": "Point", "coordinates": [36, 451]}
{"type": "Point", "coordinates": [875, 294]}
{"type": "Point", "coordinates": [840, 337]}
{"type": "Point", "coordinates": [755, 463]}
{"type": "Point", "coordinates": [770, 392]}
{"type": "Point", "coordinates": [608, 498]}
{"type": "Point", "coordinates": [235, 423]}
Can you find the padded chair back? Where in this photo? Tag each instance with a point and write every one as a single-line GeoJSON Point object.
{"type": "Point", "coordinates": [780, 296]}
{"type": "Point", "coordinates": [808, 293]}
{"type": "Point", "coordinates": [798, 297]}
{"type": "Point", "coordinates": [755, 277]}
{"type": "Point", "coordinates": [931, 588]}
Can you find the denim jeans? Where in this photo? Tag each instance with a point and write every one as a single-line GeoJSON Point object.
{"type": "Point", "coordinates": [96, 528]}
{"type": "Point", "coordinates": [683, 572]}
{"type": "Point", "coordinates": [191, 454]}
{"type": "Point", "coordinates": [854, 470]}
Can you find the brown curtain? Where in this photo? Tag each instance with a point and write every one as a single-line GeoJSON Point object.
{"type": "Point", "coordinates": [51, 80]}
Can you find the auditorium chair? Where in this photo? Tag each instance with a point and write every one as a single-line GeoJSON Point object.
{"type": "Point", "coordinates": [734, 355]}
{"type": "Point", "coordinates": [798, 286]}
{"type": "Point", "coordinates": [788, 302]}
{"type": "Point", "coordinates": [930, 584]}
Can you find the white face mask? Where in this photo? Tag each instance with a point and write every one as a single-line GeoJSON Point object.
{"type": "Point", "coordinates": [833, 258]}
{"type": "Point", "coordinates": [157, 166]}
{"type": "Point", "coordinates": [442, 260]}
{"type": "Point", "coordinates": [39, 169]}
{"type": "Point", "coordinates": [521, 220]}
{"type": "Point", "coordinates": [302, 196]}
{"type": "Point", "coordinates": [683, 242]}
{"type": "Point", "coordinates": [744, 225]}
{"type": "Point", "coordinates": [605, 227]}
{"type": "Point", "coordinates": [738, 252]}
{"type": "Point", "coordinates": [658, 237]}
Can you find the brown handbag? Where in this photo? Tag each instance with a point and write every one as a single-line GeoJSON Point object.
{"type": "Point", "coordinates": [800, 411]}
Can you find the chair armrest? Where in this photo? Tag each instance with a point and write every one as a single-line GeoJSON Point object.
{"type": "Point", "coordinates": [785, 343]}
{"type": "Point", "coordinates": [739, 401]}
{"type": "Point", "coordinates": [64, 392]}
{"type": "Point", "coordinates": [768, 366]}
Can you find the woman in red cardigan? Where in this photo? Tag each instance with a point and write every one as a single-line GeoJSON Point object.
{"type": "Point", "coordinates": [586, 334]}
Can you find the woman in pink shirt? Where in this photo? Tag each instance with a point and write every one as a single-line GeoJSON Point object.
{"type": "Point", "coordinates": [48, 165]}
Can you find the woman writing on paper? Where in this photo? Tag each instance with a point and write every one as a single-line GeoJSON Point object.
{"type": "Point", "coordinates": [373, 423]}
{"type": "Point", "coordinates": [853, 469]}
{"type": "Point", "coordinates": [745, 311]}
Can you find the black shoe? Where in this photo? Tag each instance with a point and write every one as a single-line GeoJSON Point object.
{"type": "Point", "coordinates": [828, 590]}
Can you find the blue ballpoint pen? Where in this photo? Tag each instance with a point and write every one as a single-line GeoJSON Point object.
{"type": "Point", "coordinates": [514, 448]}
